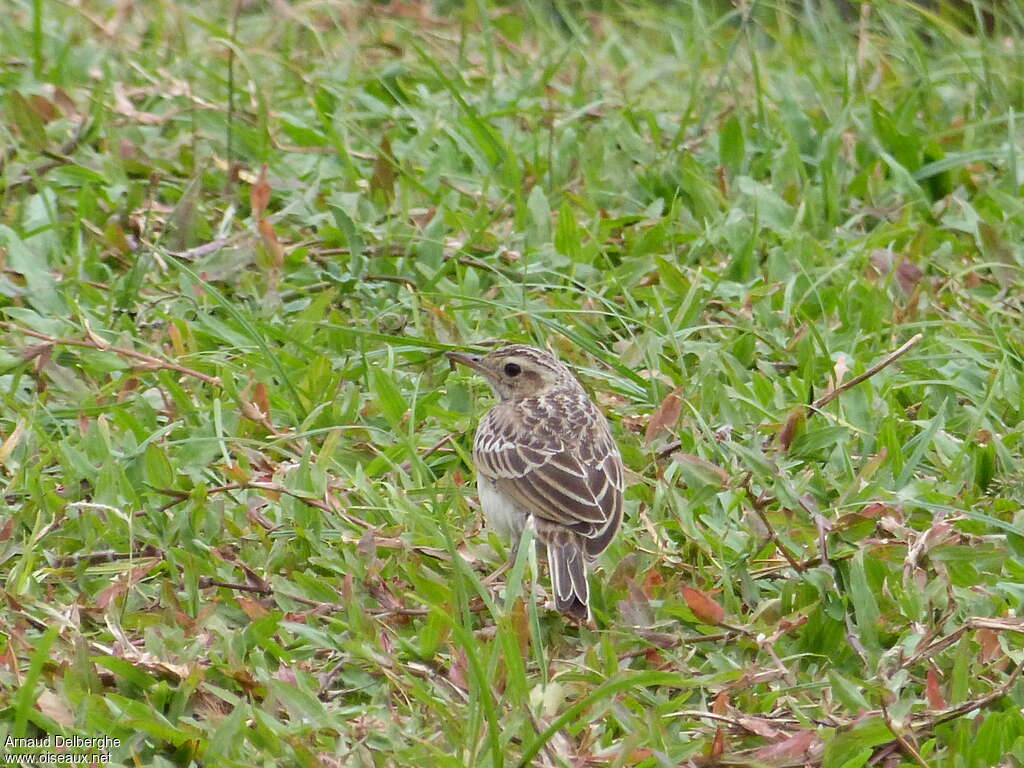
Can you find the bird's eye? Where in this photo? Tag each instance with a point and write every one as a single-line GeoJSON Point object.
{"type": "Point", "coordinates": [511, 369]}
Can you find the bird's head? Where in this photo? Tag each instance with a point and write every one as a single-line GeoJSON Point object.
{"type": "Point", "coordinates": [518, 371]}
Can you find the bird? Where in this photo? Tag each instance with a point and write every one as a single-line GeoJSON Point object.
{"type": "Point", "coordinates": [545, 457]}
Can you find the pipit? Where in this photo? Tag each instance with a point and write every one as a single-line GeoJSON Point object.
{"type": "Point", "coordinates": [545, 457]}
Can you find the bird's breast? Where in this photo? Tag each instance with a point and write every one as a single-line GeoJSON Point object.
{"type": "Point", "coordinates": [502, 514]}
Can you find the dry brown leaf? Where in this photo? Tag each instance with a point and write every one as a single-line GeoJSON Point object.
{"type": "Point", "coordinates": [990, 648]}
{"type": "Point", "coordinates": [66, 104]}
{"type": "Point", "coordinates": [12, 441]}
{"type": "Point", "coordinates": [720, 706]}
{"type": "Point", "coordinates": [43, 107]}
{"type": "Point", "coordinates": [666, 416]}
{"type": "Point", "coordinates": [383, 177]}
{"type": "Point", "coordinates": [254, 405]}
{"type": "Point", "coordinates": [176, 341]}
{"type": "Point", "coordinates": [253, 579]}
{"type": "Point", "coordinates": [122, 584]}
{"type": "Point", "coordinates": [703, 606]}
{"type": "Point", "coordinates": [457, 671]}
{"type": "Point", "coordinates": [251, 608]}
{"type": "Point", "coordinates": [839, 371]}
{"type": "Point", "coordinates": [1000, 253]}
{"type": "Point", "coordinates": [51, 705]}
{"type": "Point", "coordinates": [367, 546]}
{"type": "Point", "coordinates": [123, 106]}
{"type": "Point", "coordinates": [760, 726]}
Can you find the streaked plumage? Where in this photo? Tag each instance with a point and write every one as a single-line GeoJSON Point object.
{"type": "Point", "coordinates": [544, 456]}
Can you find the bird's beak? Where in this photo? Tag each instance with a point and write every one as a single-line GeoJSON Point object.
{"type": "Point", "coordinates": [470, 361]}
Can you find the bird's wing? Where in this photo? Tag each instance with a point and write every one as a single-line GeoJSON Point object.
{"type": "Point", "coordinates": [573, 479]}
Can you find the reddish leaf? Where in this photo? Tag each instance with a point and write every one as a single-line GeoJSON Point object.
{"type": "Point", "coordinates": [176, 341]}
{"type": "Point", "coordinates": [519, 620]}
{"type": "Point", "coordinates": [867, 513]}
{"type": "Point", "coordinates": [457, 671]}
{"type": "Point", "coordinates": [873, 510]}
{"type": "Point", "coordinates": [760, 726]}
{"type": "Point", "coordinates": [882, 262]}
{"type": "Point", "coordinates": [261, 397]}
{"type": "Point", "coordinates": [251, 608]}
{"type": "Point", "coordinates": [347, 587]}
{"type": "Point", "coordinates": [286, 674]}
{"type": "Point", "coordinates": [705, 471]}
{"type": "Point", "coordinates": [251, 405]}
{"type": "Point", "coordinates": [259, 195]}
{"type": "Point", "coordinates": [636, 610]}
{"type": "Point", "coordinates": [40, 353]}
{"type": "Point", "coordinates": [794, 426]}
{"type": "Point", "coordinates": [666, 416]}
{"type": "Point", "coordinates": [652, 581]}
{"type": "Point", "coordinates": [121, 585]}
{"type": "Point", "coordinates": [933, 692]}
{"type": "Point", "coordinates": [271, 243]}
{"type": "Point", "coordinates": [798, 745]}
{"type": "Point", "coordinates": [908, 275]}
{"type": "Point", "coordinates": [367, 546]}
{"type": "Point", "coordinates": [718, 745]}
{"type": "Point", "coordinates": [8, 529]}
{"type": "Point", "coordinates": [703, 607]}
{"type": "Point", "coordinates": [906, 272]}
{"type": "Point", "coordinates": [721, 704]}
{"type": "Point", "coordinates": [654, 657]}
{"type": "Point", "coordinates": [638, 755]}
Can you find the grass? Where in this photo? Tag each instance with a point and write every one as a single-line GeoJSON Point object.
{"type": "Point", "coordinates": [240, 524]}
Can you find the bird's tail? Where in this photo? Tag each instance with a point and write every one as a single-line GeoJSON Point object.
{"type": "Point", "coordinates": [568, 567]}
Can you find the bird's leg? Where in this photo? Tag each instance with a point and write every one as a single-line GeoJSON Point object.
{"type": "Point", "coordinates": [493, 576]}
{"type": "Point", "coordinates": [524, 533]}
{"type": "Point", "coordinates": [499, 571]}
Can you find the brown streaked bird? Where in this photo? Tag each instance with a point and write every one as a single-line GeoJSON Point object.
{"type": "Point", "coordinates": [545, 457]}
